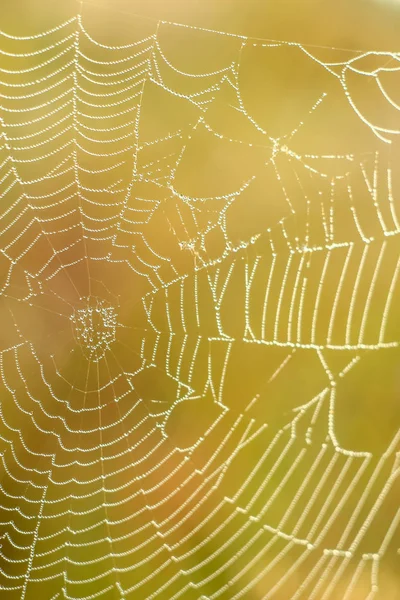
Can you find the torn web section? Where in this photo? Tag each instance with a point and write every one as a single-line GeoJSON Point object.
{"type": "Point", "coordinates": [303, 289]}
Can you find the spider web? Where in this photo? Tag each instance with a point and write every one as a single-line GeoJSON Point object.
{"type": "Point", "coordinates": [199, 303]}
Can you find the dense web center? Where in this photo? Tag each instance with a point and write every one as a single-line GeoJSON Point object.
{"type": "Point", "coordinates": [94, 326]}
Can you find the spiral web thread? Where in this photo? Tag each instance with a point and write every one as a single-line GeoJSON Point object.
{"type": "Point", "coordinates": [142, 457]}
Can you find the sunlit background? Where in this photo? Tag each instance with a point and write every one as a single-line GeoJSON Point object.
{"type": "Point", "coordinates": [200, 325]}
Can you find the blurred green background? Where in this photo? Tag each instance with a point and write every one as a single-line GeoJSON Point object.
{"type": "Point", "coordinates": [279, 87]}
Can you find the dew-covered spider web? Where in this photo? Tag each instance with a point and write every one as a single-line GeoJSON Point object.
{"type": "Point", "coordinates": [200, 324]}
